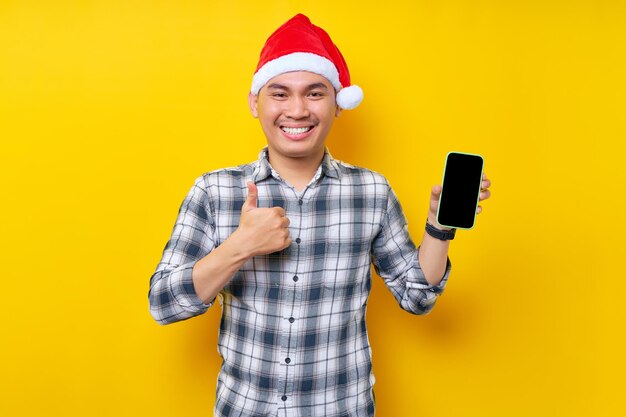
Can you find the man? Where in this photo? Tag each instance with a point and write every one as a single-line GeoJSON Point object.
{"type": "Point", "coordinates": [287, 243]}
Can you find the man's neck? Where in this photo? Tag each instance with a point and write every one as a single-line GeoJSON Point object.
{"type": "Point", "coordinates": [298, 172]}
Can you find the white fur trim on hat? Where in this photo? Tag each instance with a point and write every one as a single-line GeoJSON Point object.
{"type": "Point", "coordinates": [297, 61]}
{"type": "Point", "coordinates": [349, 97]}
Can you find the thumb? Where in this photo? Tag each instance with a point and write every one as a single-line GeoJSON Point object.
{"type": "Point", "coordinates": [436, 190]}
{"type": "Point", "coordinates": [250, 202]}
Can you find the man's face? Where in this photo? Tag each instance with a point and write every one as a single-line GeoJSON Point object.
{"type": "Point", "coordinates": [296, 111]}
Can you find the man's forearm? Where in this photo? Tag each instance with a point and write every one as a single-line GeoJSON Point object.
{"type": "Point", "coordinates": [433, 258]}
{"type": "Point", "coordinates": [211, 273]}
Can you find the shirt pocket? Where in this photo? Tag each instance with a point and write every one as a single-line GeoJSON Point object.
{"type": "Point", "coordinates": [348, 239]}
{"type": "Point", "coordinates": [346, 259]}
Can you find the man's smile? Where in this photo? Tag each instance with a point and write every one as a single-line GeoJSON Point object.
{"type": "Point", "coordinates": [297, 132]}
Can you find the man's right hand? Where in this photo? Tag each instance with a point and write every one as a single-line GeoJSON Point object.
{"type": "Point", "coordinates": [262, 230]}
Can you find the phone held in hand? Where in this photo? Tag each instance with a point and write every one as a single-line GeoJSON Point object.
{"type": "Point", "coordinates": [462, 179]}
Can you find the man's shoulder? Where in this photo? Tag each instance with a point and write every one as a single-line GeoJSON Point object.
{"type": "Point", "coordinates": [228, 175]}
{"type": "Point", "coordinates": [361, 174]}
{"type": "Point", "coordinates": [224, 181]}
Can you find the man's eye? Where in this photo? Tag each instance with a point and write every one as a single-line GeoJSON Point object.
{"type": "Point", "coordinates": [316, 94]}
{"type": "Point", "coordinates": [279, 95]}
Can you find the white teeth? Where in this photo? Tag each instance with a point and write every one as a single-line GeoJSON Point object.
{"type": "Point", "coordinates": [295, 130]}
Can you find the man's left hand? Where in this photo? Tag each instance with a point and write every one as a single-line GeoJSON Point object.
{"type": "Point", "coordinates": [434, 201]}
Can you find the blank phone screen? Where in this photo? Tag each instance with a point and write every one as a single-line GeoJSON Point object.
{"type": "Point", "coordinates": [461, 186]}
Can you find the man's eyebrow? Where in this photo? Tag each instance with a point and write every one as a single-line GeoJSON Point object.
{"type": "Point", "coordinates": [309, 87]}
{"type": "Point", "coordinates": [277, 86]}
{"type": "Point", "coordinates": [317, 85]}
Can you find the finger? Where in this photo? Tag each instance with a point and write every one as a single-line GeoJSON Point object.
{"type": "Point", "coordinates": [479, 209]}
{"type": "Point", "coordinates": [251, 200]}
{"type": "Point", "coordinates": [485, 194]}
{"type": "Point", "coordinates": [436, 190]}
{"type": "Point", "coordinates": [286, 221]}
{"type": "Point", "coordinates": [485, 184]}
{"type": "Point", "coordinates": [279, 210]}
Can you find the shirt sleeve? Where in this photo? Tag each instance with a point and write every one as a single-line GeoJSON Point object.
{"type": "Point", "coordinates": [396, 260]}
{"type": "Point", "coordinates": [172, 295]}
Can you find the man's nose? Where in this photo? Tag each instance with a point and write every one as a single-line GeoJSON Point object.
{"type": "Point", "coordinates": [297, 108]}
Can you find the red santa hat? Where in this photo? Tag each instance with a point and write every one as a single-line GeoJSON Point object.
{"type": "Point", "coordinates": [298, 45]}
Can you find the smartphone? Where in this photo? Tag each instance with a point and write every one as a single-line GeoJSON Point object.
{"type": "Point", "coordinates": [462, 179]}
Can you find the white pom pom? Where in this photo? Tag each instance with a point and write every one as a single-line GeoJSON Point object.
{"type": "Point", "coordinates": [349, 97]}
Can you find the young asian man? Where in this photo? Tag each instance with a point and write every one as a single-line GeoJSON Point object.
{"type": "Point", "coordinates": [286, 243]}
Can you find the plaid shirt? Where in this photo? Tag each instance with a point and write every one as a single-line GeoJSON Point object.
{"type": "Point", "coordinates": [293, 337]}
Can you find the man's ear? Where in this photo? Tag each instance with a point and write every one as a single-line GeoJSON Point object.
{"type": "Point", "coordinates": [338, 111]}
{"type": "Point", "coordinates": [253, 102]}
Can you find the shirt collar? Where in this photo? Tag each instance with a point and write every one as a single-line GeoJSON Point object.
{"type": "Point", "coordinates": [263, 169]}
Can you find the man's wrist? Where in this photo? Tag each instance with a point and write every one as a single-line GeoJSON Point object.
{"type": "Point", "coordinates": [239, 243]}
{"type": "Point", "coordinates": [440, 234]}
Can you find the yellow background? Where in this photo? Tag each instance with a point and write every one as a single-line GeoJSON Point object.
{"type": "Point", "coordinates": [110, 109]}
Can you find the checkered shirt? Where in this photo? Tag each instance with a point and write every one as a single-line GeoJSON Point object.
{"type": "Point", "coordinates": [293, 336]}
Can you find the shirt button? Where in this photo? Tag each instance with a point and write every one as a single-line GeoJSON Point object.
{"type": "Point", "coordinates": [291, 319]}
{"type": "Point", "coordinates": [298, 240]}
{"type": "Point", "coordinates": [284, 398]}
{"type": "Point", "coordinates": [288, 360]}
{"type": "Point", "coordinates": [295, 278]}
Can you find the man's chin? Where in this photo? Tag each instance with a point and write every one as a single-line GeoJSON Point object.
{"type": "Point", "coordinates": [298, 151]}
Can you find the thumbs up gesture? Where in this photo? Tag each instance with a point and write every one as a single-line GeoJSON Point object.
{"type": "Point", "coordinates": [263, 230]}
